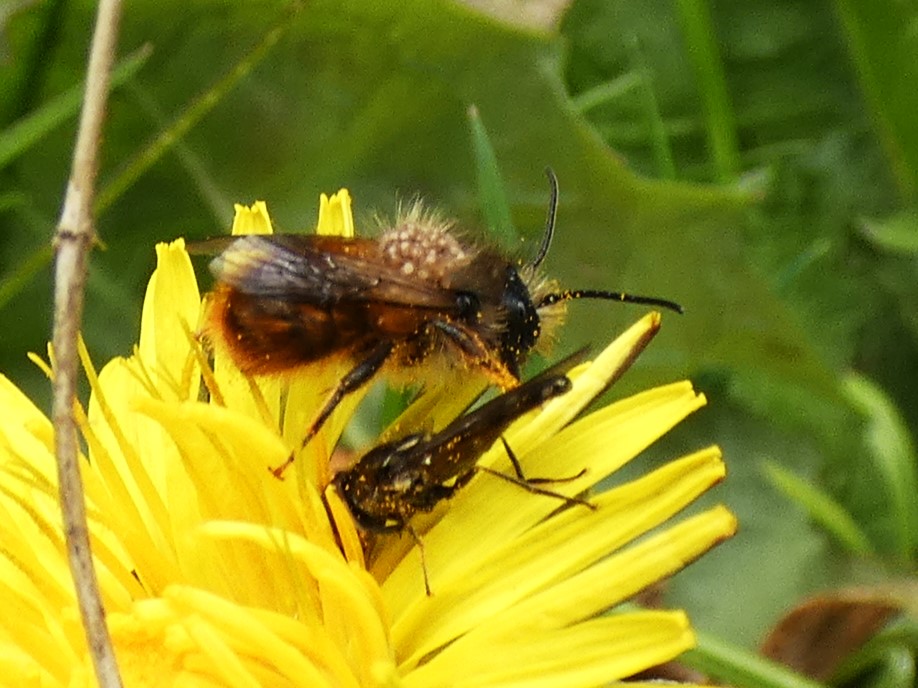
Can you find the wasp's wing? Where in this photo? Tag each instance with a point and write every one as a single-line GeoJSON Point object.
{"type": "Point", "coordinates": [395, 480]}
{"type": "Point", "coordinates": [321, 270]}
{"type": "Point", "coordinates": [454, 450]}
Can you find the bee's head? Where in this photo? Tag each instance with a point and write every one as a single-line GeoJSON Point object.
{"type": "Point", "coordinates": [522, 323]}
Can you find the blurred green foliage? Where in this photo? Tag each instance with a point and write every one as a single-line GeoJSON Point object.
{"type": "Point", "coordinates": [756, 162]}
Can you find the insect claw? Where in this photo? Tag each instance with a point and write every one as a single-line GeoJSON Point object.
{"type": "Point", "coordinates": [278, 471]}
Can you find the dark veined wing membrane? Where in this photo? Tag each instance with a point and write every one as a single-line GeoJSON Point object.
{"type": "Point", "coordinates": [455, 449]}
{"type": "Point", "coordinates": [321, 270]}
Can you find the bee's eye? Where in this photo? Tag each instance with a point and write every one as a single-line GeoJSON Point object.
{"type": "Point", "coordinates": [468, 305]}
{"type": "Point", "coordinates": [517, 311]}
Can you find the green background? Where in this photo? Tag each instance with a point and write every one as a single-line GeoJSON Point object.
{"type": "Point", "coordinates": [756, 162]}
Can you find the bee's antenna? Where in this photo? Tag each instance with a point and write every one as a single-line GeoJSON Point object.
{"type": "Point", "coordinates": [550, 221]}
{"type": "Point", "coordinates": [571, 294]}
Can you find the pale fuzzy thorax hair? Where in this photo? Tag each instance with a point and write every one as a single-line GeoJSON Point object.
{"type": "Point", "coordinates": [421, 244]}
{"type": "Point", "coordinates": [416, 215]}
{"type": "Point", "coordinates": [415, 212]}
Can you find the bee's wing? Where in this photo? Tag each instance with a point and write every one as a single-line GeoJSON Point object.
{"type": "Point", "coordinates": [210, 246]}
{"type": "Point", "coordinates": [322, 270]}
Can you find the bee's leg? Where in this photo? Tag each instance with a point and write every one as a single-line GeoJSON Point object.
{"type": "Point", "coordinates": [358, 376]}
{"type": "Point", "coordinates": [478, 354]}
{"type": "Point", "coordinates": [530, 484]}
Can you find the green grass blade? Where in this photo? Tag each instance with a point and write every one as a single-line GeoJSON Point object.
{"type": "Point", "coordinates": [492, 196]}
{"type": "Point", "coordinates": [701, 39]}
{"type": "Point", "coordinates": [730, 665]}
{"type": "Point", "coordinates": [821, 508]}
{"type": "Point", "coordinates": [195, 112]}
{"type": "Point", "coordinates": [659, 139]}
{"type": "Point", "coordinates": [892, 450]}
{"type": "Point", "coordinates": [25, 133]}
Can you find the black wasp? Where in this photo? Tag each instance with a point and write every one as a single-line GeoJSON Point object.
{"type": "Point", "coordinates": [396, 480]}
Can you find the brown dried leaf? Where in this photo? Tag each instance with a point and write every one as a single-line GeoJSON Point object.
{"type": "Point", "coordinates": [816, 636]}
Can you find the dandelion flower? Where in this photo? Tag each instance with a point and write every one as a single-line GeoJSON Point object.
{"type": "Point", "coordinates": [215, 573]}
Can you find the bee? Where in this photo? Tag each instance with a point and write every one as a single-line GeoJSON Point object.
{"type": "Point", "coordinates": [396, 480]}
{"type": "Point", "coordinates": [417, 293]}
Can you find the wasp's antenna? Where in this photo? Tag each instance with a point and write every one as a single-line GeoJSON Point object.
{"type": "Point", "coordinates": [571, 294]}
{"type": "Point", "coordinates": [550, 220]}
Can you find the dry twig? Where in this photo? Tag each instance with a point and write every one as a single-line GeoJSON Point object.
{"type": "Point", "coordinates": [73, 241]}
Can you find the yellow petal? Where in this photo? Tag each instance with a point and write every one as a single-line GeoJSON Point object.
{"type": "Point", "coordinates": [490, 512]}
{"type": "Point", "coordinates": [191, 637]}
{"type": "Point", "coordinates": [589, 654]}
{"type": "Point", "coordinates": [252, 219]}
{"type": "Point", "coordinates": [357, 627]}
{"type": "Point", "coordinates": [335, 216]}
{"type": "Point", "coordinates": [627, 572]}
{"type": "Point", "coordinates": [589, 380]}
{"type": "Point", "coordinates": [553, 551]}
{"type": "Point", "coordinates": [171, 310]}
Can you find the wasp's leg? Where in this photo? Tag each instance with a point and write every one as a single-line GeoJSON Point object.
{"type": "Point", "coordinates": [530, 484]}
{"type": "Point", "coordinates": [420, 544]}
